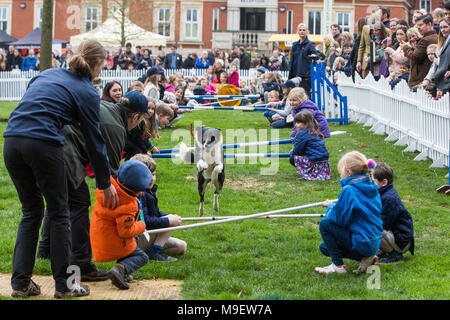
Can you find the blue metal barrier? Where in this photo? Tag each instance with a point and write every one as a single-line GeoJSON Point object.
{"type": "Point", "coordinates": [320, 83]}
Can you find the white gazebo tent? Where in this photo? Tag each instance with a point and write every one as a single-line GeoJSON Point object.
{"type": "Point", "coordinates": [109, 35]}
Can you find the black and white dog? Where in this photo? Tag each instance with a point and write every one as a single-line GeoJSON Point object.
{"type": "Point", "coordinates": [209, 158]}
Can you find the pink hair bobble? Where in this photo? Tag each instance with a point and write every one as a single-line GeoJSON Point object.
{"type": "Point", "coordinates": [371, 163]}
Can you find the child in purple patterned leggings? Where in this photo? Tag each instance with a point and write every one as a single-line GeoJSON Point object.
{"type": "Point", "coordinates": [309, 155]}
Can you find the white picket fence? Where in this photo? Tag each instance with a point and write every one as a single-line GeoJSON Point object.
{"type": "Point", "coordinates": [411, 119]}
{"type": "Point", "coordinates": [14, 84]}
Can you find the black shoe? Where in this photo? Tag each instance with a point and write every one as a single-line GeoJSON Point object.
{"type": "Point", "coordinates": [96, 275]}
{"type": "Point", "coordinates": [161, 257]}
{"type": "Point", "coordinates": [78, 290]}
{"type": "Point", "coordinates": [391, 257]}
{"type": "Point", "coordinates": [118, 277]}
{"type": "Point", "coordinates": [33, 289]}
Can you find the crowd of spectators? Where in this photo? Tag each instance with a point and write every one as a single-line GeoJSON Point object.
{"type": "Point", "coordinates": [385, 46]}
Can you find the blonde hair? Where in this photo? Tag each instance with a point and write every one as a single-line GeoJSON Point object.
{"type": "Point", "coordinates": [348, 36]}
{"type": "Point", "coordinates": [153, 79]}
{"type": "Point", "coordinates": [146, 159]}
{"type": "Point", "coordinates": [136, 84]}
{"type": "Point", "coordinates": [432, 48]}
{"type": "Point", "coordinates": [412, 31]}
{"type": "Point", "coordinates": [299, 94]}
{"type": "Point", "coordinates": [163, 109]}
{"type": "Point", "coordinates": [89, 55]}
{"type": "Point", "coordinates": [274, 94]}
{"type": "Point", "coordinates": [303, 25]}
{"type": "Point", "coordinates": [353, 162]}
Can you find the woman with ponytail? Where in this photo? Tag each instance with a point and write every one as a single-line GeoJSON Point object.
{"type": "Point", "coordinates": [353, 227]}
{"type": "Point", "coordinates": [34, 157]}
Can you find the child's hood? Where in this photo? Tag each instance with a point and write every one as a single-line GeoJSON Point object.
{"type": "Point", "coordinates": [127, 202]}
{"type": "Point", "coordinates": [363, 183]}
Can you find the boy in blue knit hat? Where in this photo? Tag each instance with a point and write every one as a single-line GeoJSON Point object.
{"type": "Point", "coordinates": [113, 232]}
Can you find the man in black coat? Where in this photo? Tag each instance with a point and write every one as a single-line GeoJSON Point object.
{"type": "Point", "coordinates": [15, 60]}
{"type": "Point", "coordinates": [244, 59]}
{"type": "Point", "coordinates": [173, 60]}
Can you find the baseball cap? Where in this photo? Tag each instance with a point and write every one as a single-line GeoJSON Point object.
{"type": "Point", "coordinates": [134, 175]}
{"type": "Point", "coordinates": [154, 70]}
{"type": "Point", "coordinates": [138, 102]}
{"type": "Point", "coordinates": [288, 84]}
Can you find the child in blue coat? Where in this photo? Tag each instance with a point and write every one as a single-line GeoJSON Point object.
{"type": "Point", "coordinates": [353, 227]}
{"type": "Point", "coordinates": [160, 246]}
{"type": "Point", "coordinates": [398, 229]}
{"type": "Point", "coordinates": [309, 155]}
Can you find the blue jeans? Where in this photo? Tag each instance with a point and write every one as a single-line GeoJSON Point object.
{"type": "Point", "coordinates": [337, 243]}
{"type": "Point", "coordinates": [268, 114]}
{"type": "Point", "coordinates": [281, 124]}
{"type": "Point", "coordinates": [135, 260]}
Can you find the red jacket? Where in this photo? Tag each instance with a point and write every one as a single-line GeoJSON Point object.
{"type": "Point", "coordinates": [112, 231]}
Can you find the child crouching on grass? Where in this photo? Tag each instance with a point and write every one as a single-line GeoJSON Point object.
{"type": "Point", "coordinates": [309, 155]}
{"type": "Point", "coordinates": [398, 229]}
{"type": "Point", "coordinates": [161, 246]}
{"type": "Point", "coordinates": [113, 232]}
{"type": "Point", "coordinates": [353, 227]}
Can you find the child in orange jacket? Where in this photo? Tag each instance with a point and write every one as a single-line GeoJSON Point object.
{"type": "Point", "coordinates": [114, 232]}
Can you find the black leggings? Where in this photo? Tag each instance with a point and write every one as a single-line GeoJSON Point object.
{"type": "Point", "coordinates": [38, 171]}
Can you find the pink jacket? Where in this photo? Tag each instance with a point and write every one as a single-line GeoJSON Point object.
{"type": "Point", "coordinates": [233, 78]}
{"type": "Point", "coordinates": [211, 89]}
{"type": "Point", "coordinates": [170, 88]}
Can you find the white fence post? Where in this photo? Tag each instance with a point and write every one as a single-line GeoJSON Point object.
{"type": "Point", "coordinates": [412, 119]}
{"type": "Point", "coordinates": [14, 84]}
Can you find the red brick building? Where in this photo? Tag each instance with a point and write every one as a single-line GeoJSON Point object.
{"type": "Point", "coordinates": [203, 23]}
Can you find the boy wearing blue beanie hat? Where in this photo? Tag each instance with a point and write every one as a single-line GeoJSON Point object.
{"type": "Point", "coordinates": [113, 232]}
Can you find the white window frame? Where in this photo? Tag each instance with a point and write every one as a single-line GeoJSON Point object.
{"type": "Point", "coordinates": [164, 21]}
{"type": "Point", "coordinates": [289, 24]}
{"type": "Point", "coordinates": [191, 23]}
{"type": "Point", "coordinates": [313, 30]}
{"type": "Point", "coordinates": [4, 19]}
{"type": "Point", "coordinates": [39, 18]}
{"type": "Point", "coordinates": [91, 21]}
{"type": "Point", "coordinates": [427, 3]}
{"type": "Point", "coordinates": [215, 22]}
{"type": "Point", "coordinates": [344, 27]}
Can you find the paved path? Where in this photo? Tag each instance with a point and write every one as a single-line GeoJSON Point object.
{"type": "Point", "coordinates": [154, 289]}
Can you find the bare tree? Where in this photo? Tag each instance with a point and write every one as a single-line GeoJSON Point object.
{"type": "Point", "coordinates": [46, 36]}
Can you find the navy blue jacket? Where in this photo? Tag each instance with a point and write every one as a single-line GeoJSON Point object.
{"type": "Point", "coordinates": [57, 97]}
{"type": "Point", "coordinates": [153, 217]}
{"type": "Point", "coordinates": [312, 146]}
{"type": "Point", "coordinates": [300, 64]}
{"type": "Point", "coordinates": [396, 217]}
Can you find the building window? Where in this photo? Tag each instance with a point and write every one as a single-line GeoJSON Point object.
{"type": "Point", "coordinates": [289, 21]}
{"type": "Point", "coordinates": [164, 21]}
{"type": "Point", "coordinates": [191, 24]}
{"type": "Point", "coordinates": [215, 19]}
{"type": "Point", "coordinates": [425, 4]}
{"type": "Point", "coordinates": [91, 19]}
{"type": "Point", "coordinates": [41, 12]}
{"type": "Point", "coordinates": [3, 18]}
{"type": "Point", "coordinates": [343, 20]}
{"type": "Point", "coordinates": [315, 22]}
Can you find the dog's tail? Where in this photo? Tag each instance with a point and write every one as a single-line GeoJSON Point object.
{"type": "Point", "coordinates": [186, 155]}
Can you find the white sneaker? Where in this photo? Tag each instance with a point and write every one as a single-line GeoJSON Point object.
{"type": "Point", "coordinates": [364, 264]}
{"type": "Point", "coordinates": [332, 268]}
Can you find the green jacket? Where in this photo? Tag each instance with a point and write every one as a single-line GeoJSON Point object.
{"type": "Point", "coordinates": [113, 126]}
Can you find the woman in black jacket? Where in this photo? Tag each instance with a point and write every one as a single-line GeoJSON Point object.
{"type": "Point", "coordinates": [33, 155]}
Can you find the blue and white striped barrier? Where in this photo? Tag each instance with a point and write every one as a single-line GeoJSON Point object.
{"type": "Point", "coordinates": [194, 107]}
{"type": "Point", "coordinates": [238, 145]}
{"type": "Point", "coordinates": [214, 97]}
{"type": "Point", "coordinates": [238, 155]}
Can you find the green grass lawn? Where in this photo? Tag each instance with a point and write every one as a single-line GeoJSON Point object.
{"type": "Point", "coordinates": [275, 259]}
